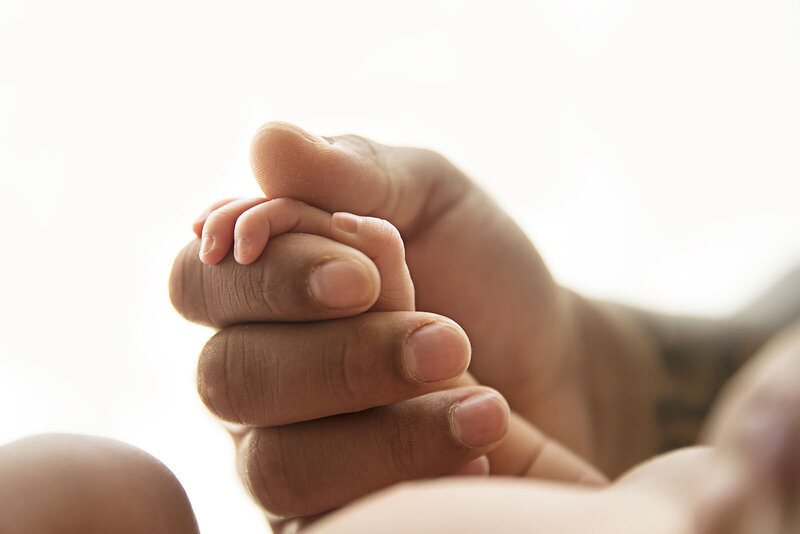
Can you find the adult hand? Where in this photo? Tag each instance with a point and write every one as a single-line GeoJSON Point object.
{"type": "Point", "coordinates": [469, 262]}
{"type": "Point", "coordinates": [746, 481]}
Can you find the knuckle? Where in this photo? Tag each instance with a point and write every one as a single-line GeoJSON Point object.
{"type": "Point", "coordinates": [261, 280]}
{"type": "Point", "coordinates": [430, 159]}
{"type": "Point", "coordinates": [405, 447]}
{"type": "Point", "coordinates": [352, 376]}
{"type": "Point", "coordinates": [436, 169]}
{"type": "Point", "coordinates": [246, 221]}
{"type": "Point", "coordinates": [342, 372]}
{"type": "Point", "coordinates": [285, 204]}
{"type": "Point", "coordinates": [218, 216]}
{"type": "Point", "coordinates": [368, 149]}
{"type": "Point", "coordinates": [230, 378]}
{"type": "Point", "coordinates": [269, 476]}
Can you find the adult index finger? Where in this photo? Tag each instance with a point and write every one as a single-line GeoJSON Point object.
{"type": "Point", "coordinates": [299, 277]}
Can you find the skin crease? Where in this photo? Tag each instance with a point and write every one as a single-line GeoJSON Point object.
{"type": "Point", "coordinates": [749, 476]}
{"type": "Point", "coordinates": [382, 243]}
{"type": "Point", "coordinates": [446, 220]}
{"type": "Point", "coordinates": [746, 481]}
{"type": "Point", "coordinates": [747, 485]}
{"type": "Point", "coordinates": [539, 362]}
{"type": "Point", "coordinates": [588, 374]}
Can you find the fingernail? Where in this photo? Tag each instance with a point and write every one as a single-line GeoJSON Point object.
{"type": "Point", "coordinates": [341, 283]}
{"type": "Point", "coordinates": [241, 248]}
{"type": "Point", "coordinates": [206, 244]}
{"type": "Point", "coordinates": [479, 467]}
{"type": "Point", "coordinates": [314, 138]}
{"type": "Point", "coordinates": [436, 351]}
{"type": "Point", "coordinates": [346, 222]}
{"type": "Point", "coordinates": [479, 420]}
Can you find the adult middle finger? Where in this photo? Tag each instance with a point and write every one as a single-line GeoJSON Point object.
{"type": "Point", "coordinates": [275, 374]}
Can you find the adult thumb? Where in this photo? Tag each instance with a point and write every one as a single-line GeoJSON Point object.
{"type": "Point", "coordinates": [406, 186]}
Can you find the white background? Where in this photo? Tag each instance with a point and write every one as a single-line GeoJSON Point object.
{"type": "Point", "coordinates": [650, 149]}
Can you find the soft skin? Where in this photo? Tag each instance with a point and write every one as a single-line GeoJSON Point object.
{"type": "Point", "coordinates": [747, 480]}
{"type": "Point", "coordinates": [590, 375]}
{"type": "Point", "coordinates": [254, 222]}
{"type": "Point", "coordinates": [88, 485]}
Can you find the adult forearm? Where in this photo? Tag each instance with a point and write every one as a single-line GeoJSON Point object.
{"type": "Point", "coordinates": [655, 376]}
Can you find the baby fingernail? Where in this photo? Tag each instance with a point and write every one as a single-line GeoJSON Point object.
{"type": "Point", "coordinates": [436, 351]}
{"type": "Point", "coordinates": [479, 467]}
{"type": "Point", "coordinates": [479, 420]}
{"type": "Point", "coordinates": [341, 283]}
{"type": "Point", "coordinates": [314, 138]}
{"type": "Point", "coordinates": [346, 222]}
{"type": "Point", "coordinates": [241, 248]}
{"type": "Point", "coordinates": [206, 244]}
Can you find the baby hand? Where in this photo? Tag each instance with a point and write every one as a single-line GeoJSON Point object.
{"type": "Point", "coordinates": [248, 224]}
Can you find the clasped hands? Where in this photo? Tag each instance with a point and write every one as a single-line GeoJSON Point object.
{"type": "Point", "coordinates": [337, 377]}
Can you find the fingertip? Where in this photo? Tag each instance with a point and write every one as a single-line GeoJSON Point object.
{"type": "Point", "coordinates": [251, 234]}
{"type": "Point", "coordinates": [243, 251]}
{"type": "Point", "coordinates": [593, 478]}
{"type": "Point", "coordinates": [238, 247]}
{"type": "Point", "coordinates": [381, 242]}
{"type": "Point", "coordinates": [347, 223]}
{"type": "Point", "coordinates": [344, 283]}
{"type": "Point", "coordinates": [277, 142]}
{"type": "Point", "coordinates": [479, 467]}
{"type": "Point", "coordinates": [199, 223]}
{"type": "Point", "coordinates": [197, 227]}
{"type": "Point", "coordinates": [206, 249]}
{"type": "Point", "coordinates": [481, 419]}
{"type": "Point", "coordinates": [436, 352]}
{"type": "Point", "coordinates": [288, 161]}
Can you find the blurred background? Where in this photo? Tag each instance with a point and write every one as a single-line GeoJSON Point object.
{"type": "Point", "coordinates": [650, 150]}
